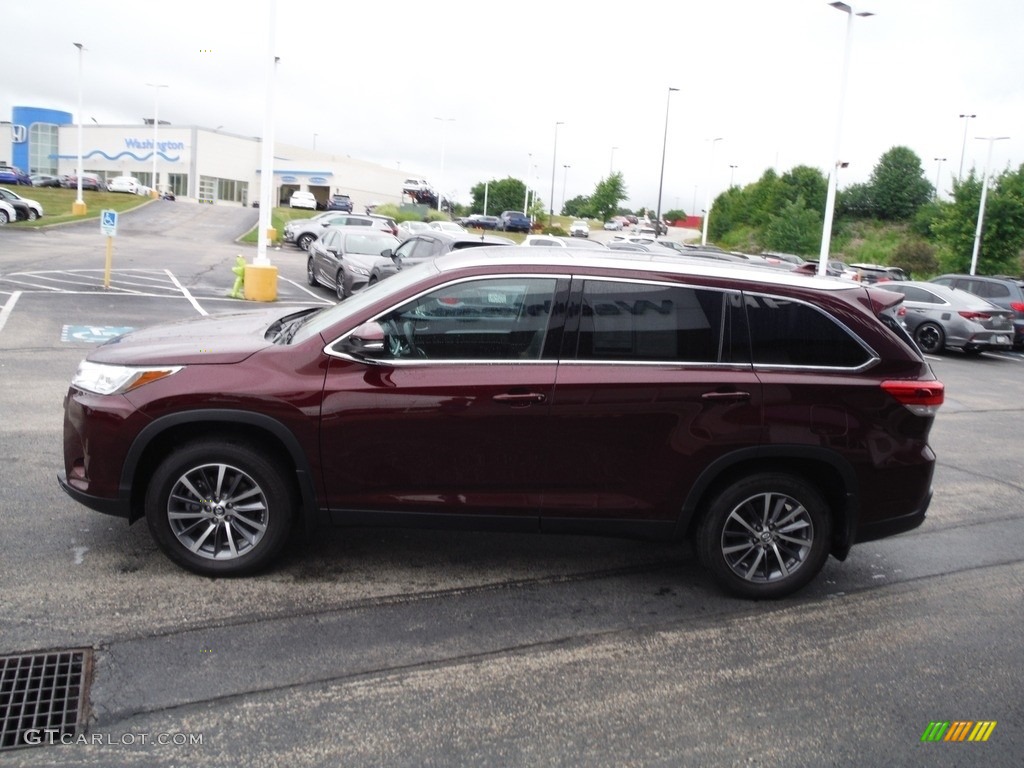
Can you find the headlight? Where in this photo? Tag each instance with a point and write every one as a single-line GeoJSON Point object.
{"type": "Point", "coordinates": [104, 379]}
{"type": "Point", "coordinates": [358, 270]}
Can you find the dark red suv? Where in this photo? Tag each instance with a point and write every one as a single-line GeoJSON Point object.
{"type": "Point", "coordinates": [773, 418]}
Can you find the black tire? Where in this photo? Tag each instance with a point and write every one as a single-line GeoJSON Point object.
{"type": "Point", "coordinates": [765, 536]}
{"type": "Point", "coordinates": [305, 240]}
{"type": "Point", "coordinates": [930, 338]}
{"type": "Point", "coordinates": [4, 218]}
{"type": "Point", "coordinates": [194, 518]}
{"type": "Point", "coordinates": [311, 273]}
{"type": "Point", "coordinates": [32, 215]}
{"type": "Point", "coordinates": [339, 286]}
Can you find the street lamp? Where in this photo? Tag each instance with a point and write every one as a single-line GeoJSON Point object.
{"type": "Point", "coordinates": [611, 162]}
{"type": "Point", "coordinates": [732, 174]}
{"type": "Point", "coordinates": [440, 187]}
{"type": "Point", "coordinates": [963, 148]}
{"type": "Point", "coordinates": [707, 192]}
{"type": "Point", "coordinates": [554, 157]}
{"type": "Point", "coordinates": [565, 178]}
{"type": "Point", "coordinates": [79, 208]}
{"type": "Point", "coordinates": [830, 199]}
{"type": "Point", "coordinates": [984, 192]}
{"type": "Point", "coordinates": [156, 123]}
{"type": "Point", "coordinates": [526, 183]}
{"type": "Point", "coordinates": [664, 146]}
{"type": "Point", "coordinates": [938, 172]}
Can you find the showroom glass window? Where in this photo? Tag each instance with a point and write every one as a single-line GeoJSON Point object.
{"type": "Point", "coordinates": [42, 148]}
{"type": "Point", "coordinates": [650, 322]}
{"type": "Point", "coordinates": [495, 319]}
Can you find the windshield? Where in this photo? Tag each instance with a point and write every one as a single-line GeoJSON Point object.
{"type": "Point", "coordinates": [371, 245]}
{"type": "Point", "coordinates": [358, 302]}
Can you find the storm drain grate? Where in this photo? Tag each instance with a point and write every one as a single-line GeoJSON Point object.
{"type": "Point", "coordinates": [42, 692]}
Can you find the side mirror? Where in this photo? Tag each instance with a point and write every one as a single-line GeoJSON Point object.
{"type": "Point", "coordinates": [387, 253]}
{"type": "Point", "coordinates": [367, 342]}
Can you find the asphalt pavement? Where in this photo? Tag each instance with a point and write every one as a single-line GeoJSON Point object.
{"type": "Point", "coordinates": [426, 648]}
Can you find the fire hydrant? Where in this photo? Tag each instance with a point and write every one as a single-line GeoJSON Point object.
{"type": "Point", "coordinates": [237, 292]}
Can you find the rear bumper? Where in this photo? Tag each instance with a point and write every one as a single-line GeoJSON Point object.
{"type": "Point", "coordinates": [894, 525]}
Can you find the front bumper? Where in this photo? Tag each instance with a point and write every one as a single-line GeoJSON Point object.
{"type": "Point", "coordinates": [117, 507]}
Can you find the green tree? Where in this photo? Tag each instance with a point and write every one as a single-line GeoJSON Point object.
{"type": "Point", "coordinates": [806, 182]}
{"type": "Point", "coordinates": [607, 195]}
{"type": "Point", "coordinates": [797, 229]}
{"type": "Point", "coordinates": [762, 199]}
{"type": "Point", "coordinates": [856, 202]}
{"type": "Point", "coordinates": [898, 185]}
{"type": "Point", "coordinates": [578, 207]}
{"type": "Point", "coordinates": [505, 195]}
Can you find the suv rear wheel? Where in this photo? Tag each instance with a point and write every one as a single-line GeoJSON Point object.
{"type": "Point", "coordinates": [219, 508]}
{"type": "Point", "coordinates": [765, 536]}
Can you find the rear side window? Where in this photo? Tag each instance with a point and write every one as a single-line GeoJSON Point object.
{"type": "Point", "coordinates": [787, 332]}
{"type": "Point", "coordinates": [640, 322]}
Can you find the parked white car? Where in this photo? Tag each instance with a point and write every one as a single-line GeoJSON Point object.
{"type": "Point", "coordinates": [7, 213]}
{"type": "Point", "coordinates": [300, 199]}
{"type": "Point", "coordinates": [128, 184]}
{"type": "Point", "coordinates": [579, 228]}
{"type": "Point", "coordinates": [31, 209]}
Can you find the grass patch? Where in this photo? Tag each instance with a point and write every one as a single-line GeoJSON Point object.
{"type": "Point", "coordinates": [278, 218]}
{"type": "Point", "coordinates": [57, 204]}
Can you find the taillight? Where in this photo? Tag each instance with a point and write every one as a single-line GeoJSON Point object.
{"type": "Point", "coordinates": [901, 312]}
{"type": "Point", "coordinates": [921, 397]}
{"type": "Point", "coordinates": [1017, 306]}
{"type": "Point", "coordinates": [966, 314]}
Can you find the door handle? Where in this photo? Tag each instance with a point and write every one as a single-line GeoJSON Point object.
{"type": "Point", "coordinates": [520, 400]}
{"type": "Point", "coordinates": [725, 396]}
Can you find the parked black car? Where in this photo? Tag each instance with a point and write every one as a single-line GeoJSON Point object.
{"type": "Point", "coordinates": [1001, 290]}
{"type": "Point", "coordinates": [515, 221]}
{"type": "Point", "coordinates": [480, 221]}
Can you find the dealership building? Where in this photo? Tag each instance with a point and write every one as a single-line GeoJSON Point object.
{"type": "Point", "coordinates": [204, 164]}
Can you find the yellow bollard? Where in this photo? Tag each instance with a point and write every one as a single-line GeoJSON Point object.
{"type": "Point", "coordinates": [260, 282]}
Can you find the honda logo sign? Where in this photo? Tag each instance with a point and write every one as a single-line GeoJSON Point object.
{"type": "Point", "coordinates": [18, 134]}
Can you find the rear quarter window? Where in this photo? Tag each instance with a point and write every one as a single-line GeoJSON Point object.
{"type": "Point", "coordinates": [788, 332]}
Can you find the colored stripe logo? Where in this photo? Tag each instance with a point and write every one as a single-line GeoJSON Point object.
{"type": "Point", "coordinates": [958, 730]}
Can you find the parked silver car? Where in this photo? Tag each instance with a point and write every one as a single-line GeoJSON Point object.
{"type": "Point", "coordinates": [302, 232]}
{"type": "Point", "coordinates": [941, 318]}
{"type": "Point", "coordinates": [343, 257]}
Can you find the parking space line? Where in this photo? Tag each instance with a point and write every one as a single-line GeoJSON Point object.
{"type": "Point", "coordinates": [186, 294]}
{"type": "Point", "coordinates": [320, 299]}
{"type": "Point", "coordinates": [1007, 356]}
{"type": "Point", "coordinates": [50, 288]}
{"type": "Point", "coordinates": [86, 280]}
{"type": "Point", "coordinates": [8, 308]}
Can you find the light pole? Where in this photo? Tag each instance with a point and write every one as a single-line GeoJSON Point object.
{"type": "Point", "coordinates": [938, 172]}
{"type": "Point", "coordinates": [707, 192]}
{"type": "Point", "coordinates": [79, 207]}
{"type": "Point", "coordinates": [156, 122]}
{"type": "Point", "coordinates": [526, 183]}
{"type": "Point", "coordinates": [440, 187]}
{"type": "Point", "coordinates": [611, 162]}
{"type": "Point", "coordinates": [664, 146]}
{"type": "Point", "coordinates": [984, 192]}
{"type": "Point", "coordinates": [565, 179]}
{"type": "Point", "coordinates": [732, 174]}
{"type": "Point", "coordinates": [963, 147]}
{"type": "Point", "coordinates": [830, 199]}
{"type": "Point", "coordinates": [554, 159]}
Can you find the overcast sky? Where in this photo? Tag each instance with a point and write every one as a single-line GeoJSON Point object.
{"type": "Point", "coordinates": [369, 79]}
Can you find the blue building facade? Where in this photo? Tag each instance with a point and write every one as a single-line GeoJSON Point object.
{"type": "Point", "coordinates": [34, 146]}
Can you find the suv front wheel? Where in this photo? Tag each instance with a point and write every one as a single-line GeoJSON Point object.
{"type": "Point", "coordinates": [765, 536]}
{"type": "Point", "coordinates": [219, 508]}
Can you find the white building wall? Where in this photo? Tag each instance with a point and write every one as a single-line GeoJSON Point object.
{"type": "Point", "coordinates": [116, 150]}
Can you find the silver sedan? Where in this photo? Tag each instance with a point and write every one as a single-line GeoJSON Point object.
{"type": "Point", "coordinates": [948, 318]}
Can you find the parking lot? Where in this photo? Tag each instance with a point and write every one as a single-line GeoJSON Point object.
{"type": "Point", "coordinates": [385, 647]}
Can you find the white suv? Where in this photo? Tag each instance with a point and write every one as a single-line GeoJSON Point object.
{"type": "Point", "coordinates": [300, 199]}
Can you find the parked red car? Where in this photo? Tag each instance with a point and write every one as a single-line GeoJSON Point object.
{"type": "Point", "coordinates": [770, 417]}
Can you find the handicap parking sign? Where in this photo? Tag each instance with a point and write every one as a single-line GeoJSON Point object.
{"type": "Point", "coordinates": [108, 223]}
